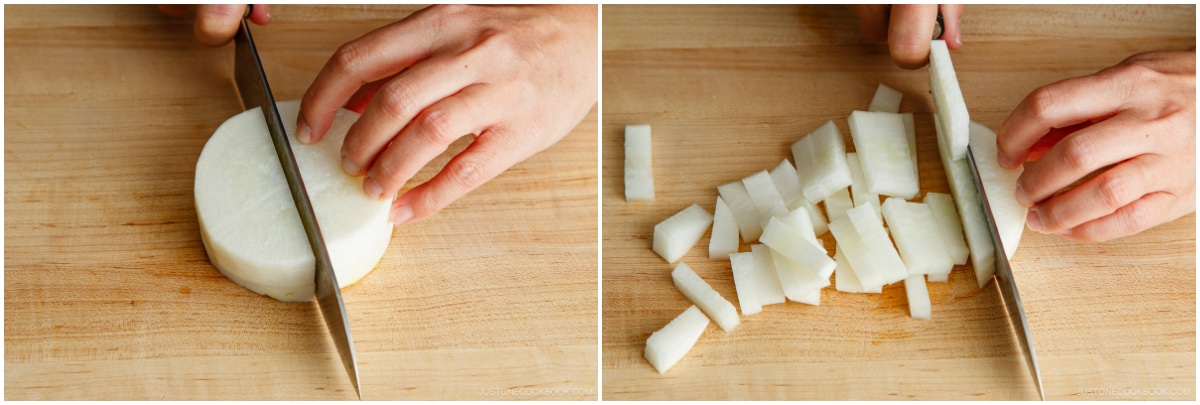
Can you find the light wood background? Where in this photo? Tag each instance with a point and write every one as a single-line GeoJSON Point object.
{"type": "Point", "coordinates": [107, 290]}
{"type": "Point", "coordinates": [729, 89]}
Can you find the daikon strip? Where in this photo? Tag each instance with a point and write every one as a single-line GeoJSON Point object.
{"type": "Point", "coordinates": [793, 244]}
{"type": "Point", "coordinates": [770, 291]}
{"type": "Point", "coordinates": [639, 173]}
{"type": "Point", "coordinates": [668, 345]}
{"type": "Point", "coordinates": [788, 183]}
{"type": "Point", "coordinates": [910, 130]}
{"type": "Point", "coordinates": [858, 186]}
{"type": "Point", "coordinates": [1000, 185]}
{"type": "Point", "coordinates": [886, 99]}
{"type": "Point", "coordinates": [821, 162]}
{"type": "Point", "coordinates": [918, 297]}
{"type": "Point", "coordinates": [844, 278]}
{"type": "Point", "coordinates": [746, 282]}
{"type": "Point", "coordinates": [948, 100]}
{"type": "Point", "coordinates": [674, 236]}
{"type": "Point", "coordinates": [724, 237]}
{"type": "Point", "coordinates": [917, 237]}
{"type": "Point", "coordinates": [869, 273]}
{"type": "Point", "coordinates": [763, 192]}
{"type": "Point", "coordinates": [883, 152]}
{"type": "Point", "coordinates": [951, 229]}
{"type": "Point", "coordinates": [837, 204]}
{"type": "Point", "coordinates": [870, 229]}
{"type": "Point", "coordinates": [703, 295]}
{"type": "Point", "coordinates": [798, 283]}
{"type": "Point", "coordinates": [744, 211]}
{"type": "Point", "coordinates": [970, 210]}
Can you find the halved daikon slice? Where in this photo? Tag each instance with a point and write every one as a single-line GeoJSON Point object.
{"type": "Point", "coordinates": [948, 100]}
{"type": "Point", "coordinates": [639, 173]}
{"type": "Point", "coordinates": [798, 282]}
{"type": "Point", "coordinates": [674, 236]}
{"type": "Point", "coordinates": [703, 295]}
{"type": "Point", "coordinates": [917, 237]}
{"type": "Point", "coordinates": [869, 273]}
{"type": "Point", "coordinates": [918, 297]}
{"type": "Point", "coordinates": [668, 345]}
{"type": "Point", "coordinates": [871, 230]}
{"type": "Point", "coordinates": [745, 280]}
{"type": "Point", "coordinates": [858, 186]}
{"type": "Point", "coordinates": [844, 278]}
{"type": "Point", "coordinates": [910, 130]}
{"type": "Point", "coordinates": [886, 99]}
{"type": "Point", "coordinates": [946, 216]}
{"type": "Point", "coordinates": [788, 184]}
{"type": "Point", "coordinates": [724, 237]}
{"type": "Point", "coordinates": [770, 290]}
{"type": "Point", "coordinates": [763, 192]}
{"type": "Point", "coordinates": [793, 244]}
{"type": "Point", "coordinates": [1001, 187]}
{"type": "Point", "coordinates": [744, 211]}
{"type": "Point", "coordinates": [882, 147]}
{"type": "Point", "coordinates": [837, 204]}
{"type": "Point", "coordinates": [970, 210]}
{"type": "Point", "coordinates": [821, 162]}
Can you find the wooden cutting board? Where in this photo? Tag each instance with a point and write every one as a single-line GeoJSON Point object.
{"type": "Point", "coordinates": [107, 290]}
{"type": "Point", "coordinates": [727, 90]}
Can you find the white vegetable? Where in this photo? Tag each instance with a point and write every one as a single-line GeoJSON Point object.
{"type": "Point", "coordinates": [951, 229]}
{"type": "Point", "coordinates": [858, 186]}
{"type": "Point", "coordinates": [770, 290]}
{"type": "Point", "coordinates": [745, 280]}
{"type": "Point", "coordinates": [910, 130]}
{"type": "Point", "coordinates": [883, 151]}
{"type": "Point", "coordinates": [788, 184]}
{"type": "Point", "coordinates": [724, 237]}
{"type": "Point", "coordinates": [701, 294]}
{"type": "Point", "coordinates": [970, 210]}
{"type": "Point", "coordinates": [821, 162]}
{"type": "Point", "coordinates": [869, 273]}
{"type": "Point", "coordinates": [744, 211]}
{"type": "Point", "coordinates": [844, 278]}
{"type": "Point", "coordinates": [674, 236]}
{"type": "Point", "coordinates": [666, 346]}
{"type": "Point", "coordinates": [793, 244]}
{"type": "Point", "coordinates": [1000, 184]}
{"type": "Point", "coordinates": [918, 297]}
{"type": "Point", "coordinates": [798, 282]}
{"type": "Point", "coordinates": [948, 99]}
{"type": "Point", "coordinates": [838, 203]}
{"type": "Point", "coordinates": [639, 173]}
{"type": "Point", "coordinates": [762, 191]}
{"type": "Point", "coordinates": [870, 229]}
{"type": "Point", "coordinates": [248, 220]}
{"type": "Point", "coordinates": [917, 237]}
{"type": "Point", "coordinates": [886, 99]}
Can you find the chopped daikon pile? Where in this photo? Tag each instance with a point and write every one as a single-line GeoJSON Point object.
{"type": "Point", "coordinates": [951, 229]}
{"type": "Point", "coordinates": [639, 173]}
{"type": "Point", "coordinates": [724, 237]}
{"type": "Point", "coordinates": [821, 162]}
{"type": "Point", "coordinates": [869, 273]}
{"type": "Point", "coordinates": [970, 210]}
{"type": "Point", "coordinates": [788, 184]}
{"type": "Point", "coordinates": [918, 297]}
{"type": "Point", "coordinates": [844, 278]}
{"type": "Point", "coordinates": [745, 280]}
{"type": "Point", "coordinates": [701, 294]}
{"type": "Point", "coordinates": [948, 100]}
{"type": "Point", "coordinates": [886, 99]}
{"type": "Point", "coordinates": [770, 290]}
{"type": "Point", "coordinates": [871, 230]}
{"type": "Point", "coordinates": [837, 204]}
{"type": "Point", "coordinates": [1000, 184]}
{"type": "Point", "coordinates": [792, 243]}
{"type": "Point", "coordinates": [798, 282]}
{"type": "Point", "coordinates": [858, 187]}
{"type": "Point", "coordinates": [666, 346]}
{"type": "Point", "coordinates": [744, 211]}
{"type": "Point", "coordinates": [675, 235]}
{"type": "Point", "coordinates": [882, 147]}
{"type": "Point", "coordinates": [917, 237]}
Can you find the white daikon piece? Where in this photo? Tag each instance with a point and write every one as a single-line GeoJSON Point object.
{"type": "Point", "coordinates": [668, 345]}
{"type": "Point", "coordinates": [705, 297]}
{"type": "Point", "coordinates": [821, 162]}
{"type": "Point", "coordinates": [813, 298]}
{"type": "Point", "coordinates": [793, 244]}
{"type": "Point", "coordinates": [910, 130]}
{"type": "Point", "coordinates": [844, 278]}
{"type": "Point", "coordinates": [745, 281]}
{"type": "Point", "coordinates": [1000, 185]}
{"type": "Point", "coordinates": [938, 278]}
{"type": "Point", "coordinates": [770, 290]}
{"type": "Point", "coordinates": [798, 282]}
{"type": "Point", "coordinates": [788, 184]}
{"type": "Point", "coordinates": [870, 229]}
{"type": "Point", "coordinates": [248, 221]}
{"type": "Point", "coordinates": [886, 99]}
{"type": "Point", "coordinates": [724, 237]}
{"type": "Point", "coordinates": [948, 223]}
{"type": "Point", "coordinates": [777, 211]}
{"type": "Point", "coordinates": [869, 273]}
{"type": "Point", "coordinates": [639, 173]}
{"type": "Point", "coordinates": [763, 192]}
{"type": "Point", "coordinates": [948, 99]}
{"type": "Point", "coordinates": [918, 297]}
{"type": "Point", "coordinates": [970, 210]}
{"type": "Point", "coordinates": [674, 236]}
{"type": "Point", "coordinates": [858, 186]}
{"type": "Point", "coordinates": [744, 211]}
{"type": "Point", "coordinates": [917, 237]}
{"type": "Point", "coordinates": [837, 204]}
{"type": "Point", "coordinates": [883, 152]}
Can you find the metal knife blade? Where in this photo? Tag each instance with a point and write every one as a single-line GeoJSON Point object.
{"type": "Point", "coordinates": [256, 92]}
{"type": "Point", "coordinates": [1006, 284]}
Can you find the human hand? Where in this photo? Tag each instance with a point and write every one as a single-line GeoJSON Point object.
{"type": "Point", "coordinates": [907, 28]}
{"type": "Point", "coordinates": [1133, 123]}
{"type": "Point", "coordinates": [216, 24]}
{"type": "Point", "coordinates": [519, 78]}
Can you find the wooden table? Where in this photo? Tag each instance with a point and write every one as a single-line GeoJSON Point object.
{"type": "Point", "coordinates": [108, 293]}
{"type": "Point", "coordinates": [729, 89]}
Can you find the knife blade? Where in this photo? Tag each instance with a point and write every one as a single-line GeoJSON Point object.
{"type": "Point", "coordinates": [256, 92]}
{"type": "Point", "coordinates": [1006, 284]}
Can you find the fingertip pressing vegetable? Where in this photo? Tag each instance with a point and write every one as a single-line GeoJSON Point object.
{"type": "Point", "coordinates": [745, 281]}
{"type": "Point", "coordinates": [674, 236]}
{"type": "Point", "coordinates": [724, 237]}
{"type": "Point", "coordinates": [701, 294]}
{"type": "Point", "coordinates": [639, 173]}
{"type": "Point", "coordinates": [821, 162]}
{"type": "Point", "coordinates": [668, 345]}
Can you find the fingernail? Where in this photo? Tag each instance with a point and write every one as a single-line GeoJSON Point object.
{"type": "Point", "coordinates": [303, 132]}
{"type": "Point", "coordinates": [1034, 220]}
{"type": "Point", "coordinates": [349, 167]}
{"type": "Point", "coordinates": [372, 188]}
{"type": "Point", "coordinates": [401, 214]}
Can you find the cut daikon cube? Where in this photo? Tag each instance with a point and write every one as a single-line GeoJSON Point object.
{"type": "Point", "coordinates": [639, 173]}
{"type": "Point", "coordinates": [869, 273]}
{"type": "Point", "coordinates": [917, 237]}
{"type": "Point", "coordinates": [886, 99]}
{"type": "Point", "coordinates": [821, 162]}
{"type": "Point", "coordinates": [970, 210]}
{"type": "Point", "coordinates": [837, 204]}
{"type": "Point", "coordinates": [883, 152]}
{"type": "Point", "coordinates": [858, 187]}
{"type": "Point", "coordinates": [675, 235]}
{"type": "Point", "coordinates": [946, 216]}
{"type": "Point", "coordinates": [770, 291]}
{"type": "Point", "coordinates": [744, 211]}
{"type": "Point", "coordinates": [948, 99]}
{"type": "Point", "coordinates": [870, 229]}
{"type": "Point", "coordinates": [793, 244]}
{"type": "Point", "coordinates": [939, 278]}
{"type": "Point", "coordinates": [668, 345]}
{"type": "Point", "coordinates": [918, 297]}
{"type": "Point", "coordinates": [798, 283]}
{"type": "Point", "coordinates": [788, 184]}
{"type": "Point", "coordinates": [1000, 185]}
{"type": "Point", "coordinates": [724, 237]}
{"type": "Point", "coordinates": [701, 294]}
{"type": "Point", "coordinates": [910, 130]}
{"type": "Point", "coordinates": [746, 282]}
{"type": "Point", "coordinates": [763, 192]}
{"type": "Point", "coordinates": [844, 278]}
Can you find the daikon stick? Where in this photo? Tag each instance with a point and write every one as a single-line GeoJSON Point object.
{"type": "Point", "coordinates": [883, 151]}
{"type": "Point", "coordinates": [844, 278]}
{"type": "Point", "coordinates": [970, 210]}
{"type": "Point", "coordinates": [837, 204]}
{"type": "Point", "coordinates": [674, 236]}
{"type": "Point", "coordinates": [744, 211]}
{"type": "Point", "coordinates": [770, 291]}
{"type": "Point", "coordinates": [821, 162]}
{"type": "Point", "coordinates": [701, 294]}
{"type": "Point", "coordinates": [917, 237]}
{"type": "Point", "coordinates": [1000, 185]}
{"type": "Point", "coordinates": [869, 273]}
{"type": "Point", "coordinates": [798, 283]}
{"type": "Point", "coordinates": [668, 345]}
{"type": "Point", "coordinates": [788, 183]}
{"type": "Point", "coordinates": [918, 297]}
{"type": "Point", "coordinates": [948, 100]}
{"type": "Point", "coordinates": [724, 237]}
{"type": "Point", "coordinates": [951, 228]}
{"type": "Point", "coordinates": [793, 244]}
{"type": "Point", "coordinates": [886, 99]}
{"type": "Point", "coordinates": [870, 229]}
{"type": "Point", "coordinates": [639, 173]}
{"type": "Point", "coordinates": [763, 192]}
{"type": "Point", "coordinates": [910, 130]}
{"type": "Point", "coordinates": [746, 282]}
{"type": "Point", "coordinates": [858, 186]}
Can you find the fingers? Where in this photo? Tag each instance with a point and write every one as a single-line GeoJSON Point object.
{"type": "Point", "coordinates": [874, 19]}
{"type": "Point", "coordinates": [1098, 197]}
{"type": "Point", "coordinates": [216, 24]}
{"type": "Point", "coordinates": [1079, 155]}
{"type": "Point", "coordinates": [909, 31]}
{"type": "Point", "coordinates": [261, 14]}
{"type": "Point", "coordinates": [952, 25]}
{"type": "Point", "coordinates": [1145, 213]}
{"type": "Point", "coordinates": [361, 98]}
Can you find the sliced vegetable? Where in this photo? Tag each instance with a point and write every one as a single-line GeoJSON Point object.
{"type": "Point", "coordinates": [701, 294]}
{"type": "Point", "coordinates": [883, 151]}
{"type": "Point", "coordinates": [910, 130]}
{"type": "Point", "coordinates": [793, 244]}
{"type": "Point", "coordinates": [798, 282]}
{"type": "Point", "coordinates": [763, 192]}
{"type": "Point", "coordinates": [970, 210]}
{"type": "Point", "coordinates": [858, 186]}
{"type": "Point", "coordinates": [745, 280]}
{"type": "Point", "coordinates": [674, 236]}
{"type": "Point", "coordinates": [946, 216]}
{"type": "Point", "coordinates": [1001, 187]}
{"type": "Point", "coordinates": [917, 237]}
{"type": "Point", "coordinates": [880, 247]}
{"type": "Point", "coordinates": [918, 297]}
{"type": "Point", "coordinates": [886, 99]}
{"type": "Point", "coordinates": [788, 184]}
{"type": "Point", "coordinates": [837, 204]}
{"type": "Point", "coordinates": [844, 278]}
{"type": "Point", "coordinates": [869, 273]}
{"type": "Point", "coordinates": [639, 173]}
{"type": "Point", "coordinates": [744, 211]}
{"type": "Point", "coordinates": [668, 345]}
{"type": "Point", "coordinates": [770, 290]}
{"type": "Point", "coordinates": [821, 162]}
{"type": "Point", "coordinates": [724, 237]}
{"type": "Point", "coordinates": [948, 100]}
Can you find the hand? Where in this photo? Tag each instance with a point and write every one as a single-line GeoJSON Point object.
{"type": "Point", "coordinates": [909, 28]}
{"type": "Point", "coordinates": [517, 78]}
{"type": "Point", "coordinates": [216, 24]}
{"type": "Point", "coordinates": [1133, 123]}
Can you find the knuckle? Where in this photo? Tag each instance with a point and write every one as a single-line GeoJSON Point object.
{"type": "Point", "coordinates": [1114, 191]}
{"type": "Point", "coordinates": [1135, 218]}
{"type": "Point", "coordinates": [464, 175]}
{"type": "Point", "coordinates": [1042, 104]}
{"type": "Point", "coordinates": [1079, 153]}
{"type": "Point", "coordinates": [348, 59]}
{"type": "Point", "coordinates": [438, 127]}
{"type": "Point", "coordinates": [396, 100]}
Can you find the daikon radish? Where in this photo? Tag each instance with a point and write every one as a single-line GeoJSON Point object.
{"type": "Point", "coordinates": [1000, 185]}
{"type": "Point", "coordinates": [883, 151]}
{"type": "Point", "coordinates": [701, 294]}
{"type": "Point", "coordinates": [639, 173]}
{"type": "Point", "coordinates": [970, 210]}
{"type": "Point", "coordinates": [870, 229]}
{"type": "Point", "coordinates": [869, 273]}
{"type": "Point", "coordinates": [744, 211]}
{"type": "Point", "coordinates": [837, 204]}
{"type": "Point", "coordinates": [821, 162]}
{"type": "Point", "coordinates": [788, 184]}
{"type": "Point", "coordinates": [248, 220]}
{"type": "Point", "coordinates": [951, 229]}
{"type": "Point", "coordinates": [745, 280]}
{"type": "Point", "coordinates": [793, 244]}
{"type": "Point", "coordinates": [763, 192]}
{"type": "Point", "coordinates": [798, 282]}
{"type": "Point", "coordinates": [668, 345]}
{"type": "Point", "coordinates": [910, 130]}
{"type": "Point", "coordinates": [858, 186]}
{"type": "Point", "coordinates": [674, 236]}
{"type": "Point", "coordinates": [886, 99]}
{"type": "Point", "coordinates": [948, 100]}
{"type": "Point", "coordinates": [724, 237]}
{"type": "Point", "coordinates": [918, 297]}
{"type": "Point", "coordinates": [844, 278]}
{"type": "Point", "coordinates": [917, 237]}
{"type": "Point", "coordinates": [770, 291]}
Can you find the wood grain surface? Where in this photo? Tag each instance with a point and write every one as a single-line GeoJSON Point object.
{"type": "Point", "coordinates": [107, 290]}
{"type": "Point", "coordinates": [728, 89]}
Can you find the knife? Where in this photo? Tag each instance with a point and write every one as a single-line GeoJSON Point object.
{"type": "Point", "coordinates": [256, 92]}
{"type": "Point", "coordinates": [1006, 284]}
